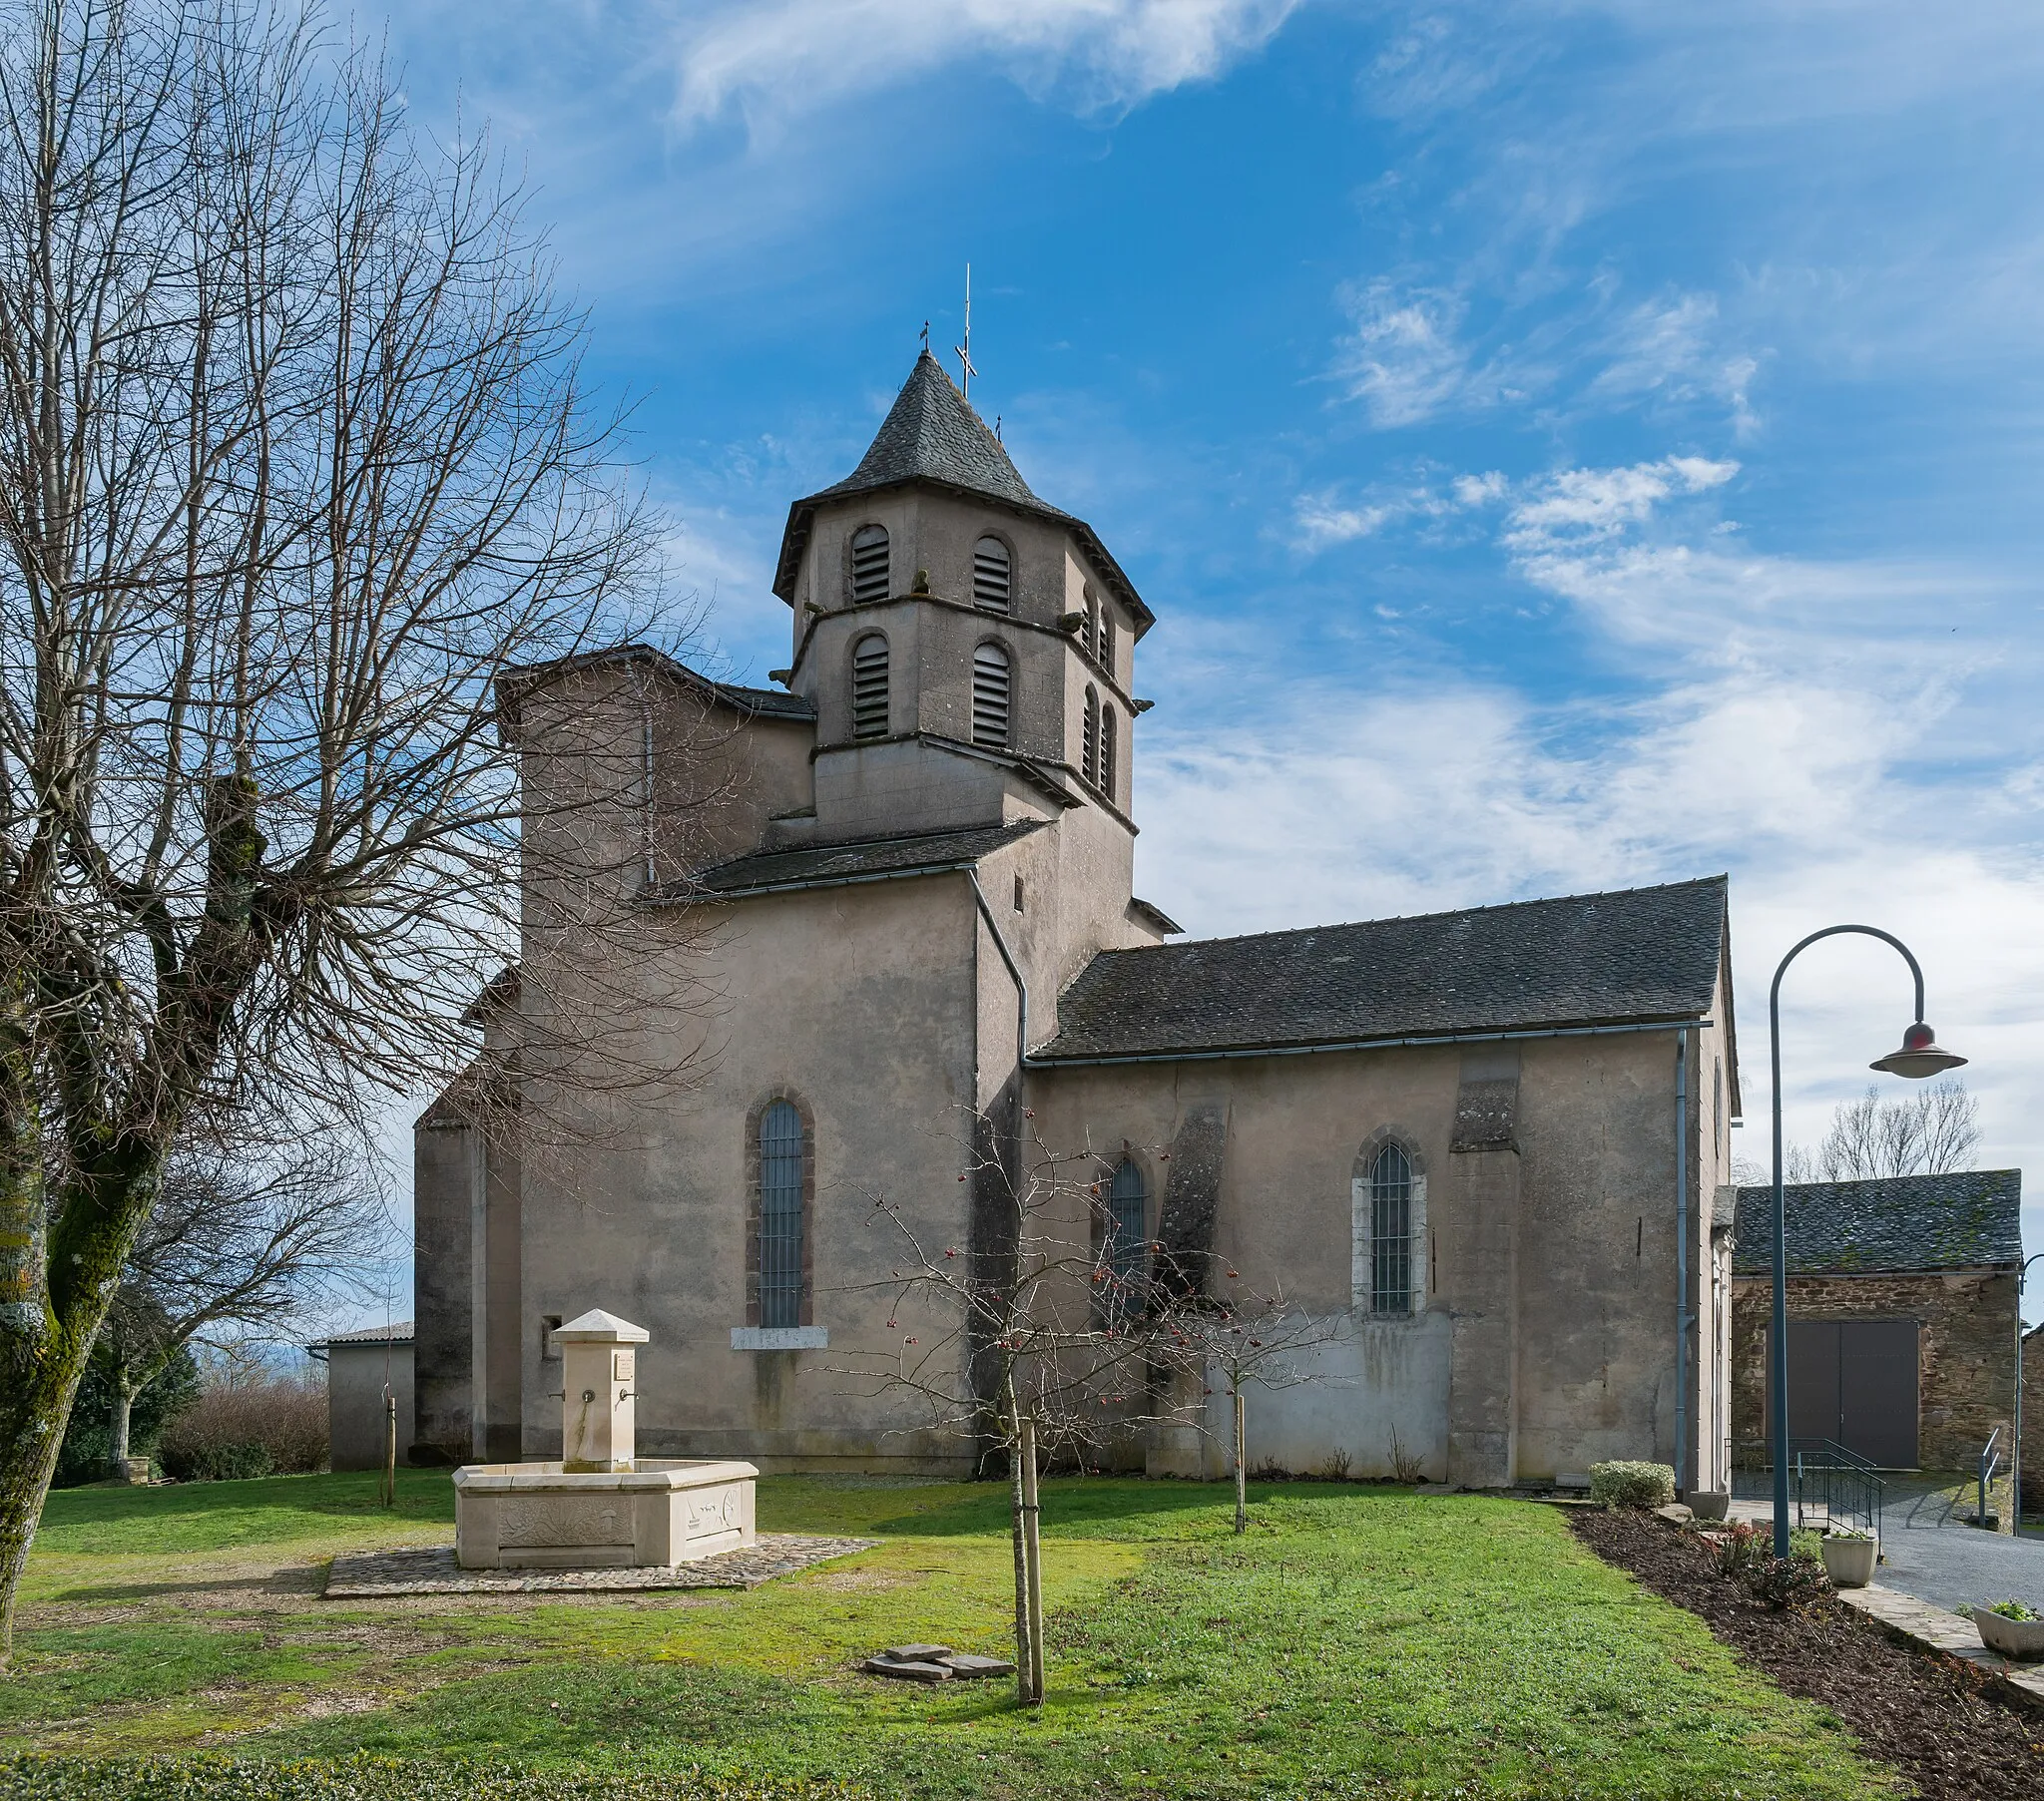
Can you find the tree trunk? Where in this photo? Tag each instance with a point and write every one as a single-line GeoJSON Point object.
{"type": "Point", "coordinates": [117, 1438]}
{"type": "Point", "coordinates": [1032, 1545]}
{"type": "Point", "coordinates": [1242, 1479]}
{"type": "Point", "coordinates": [1024, 1661]}
{"type": "Point", "coordinates": [35, 1403]}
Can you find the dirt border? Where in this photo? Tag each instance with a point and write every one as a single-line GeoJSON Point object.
{"type": "Point", "coordinates": [1936, 1723]}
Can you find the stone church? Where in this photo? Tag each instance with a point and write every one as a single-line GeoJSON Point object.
{"type": "Point", "coordinates": [1485, 1148]}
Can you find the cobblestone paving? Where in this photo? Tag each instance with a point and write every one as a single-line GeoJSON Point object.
{"type": "Point", "coordinates": [432, 1570]}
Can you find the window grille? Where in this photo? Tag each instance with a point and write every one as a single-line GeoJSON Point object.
{"type": "Point", "coordinates": [1390, 1231]}
{"type": "Point", "coordinates": [870, 686]}
{"type": "Point", "coordinates": [1108, 731]}
{"type": "Point", "coordinates": [1128, 1242]}
{"type": "Point", "coordinates": [991, 586]}
{"type": "Point", "coordinates": [1089, 739]}
{"type": "Point", "coordinates": [870, 577]}
{"type": "Point", "coordinates": [780, 1215]}
{"type": "Point", "coordinates": [990, 696]}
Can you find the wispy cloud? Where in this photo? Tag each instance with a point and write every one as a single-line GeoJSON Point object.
{"type": "Point", "coordinates": [782, 58]}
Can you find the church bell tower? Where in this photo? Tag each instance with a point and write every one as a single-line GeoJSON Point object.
{"type": "Point", "coordinates": [968, 649]}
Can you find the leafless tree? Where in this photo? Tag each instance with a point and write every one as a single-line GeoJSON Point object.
{"type": "Point", "coordinates": [297, 466]}
{"type": "Point", "coordinates": [1929, 1132]}
{"type": "Point", "coordinates": [242, 1241]}
{"type": "Point", "coordinates": [1251, 1339]}
{"type": "Point", "coordinates": [1050, 1341]}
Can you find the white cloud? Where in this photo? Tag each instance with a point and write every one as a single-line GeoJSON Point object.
{"type": "Point", "coordinates": [777, 59]}
{"type": "Point", "coordinates": [1405, 360]}
{"type": "Point", "coordinates": [1578, 505]}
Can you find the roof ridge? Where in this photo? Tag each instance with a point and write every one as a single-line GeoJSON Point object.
{"type": "Point", "coordinates": [1339, 925]}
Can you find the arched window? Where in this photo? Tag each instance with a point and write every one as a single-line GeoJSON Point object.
{"type": "Point", "coordinates": [1107, 738]}
{"type": "Point", "coordinates": [1127, 1247]}
{"type": "Point", "coordinates": [1390, 1231]}
{"type": "Point", "coordinates": [991, 585]}
{"type": "Point", "coordinates": [992, 692]}
{"type": "Point", "coordinates": [782, 1159]}
{"type": "Point", "coordinates": [1091, 629]}
{"type": "Point", "coordinates": [870, 686]}
{"type": "Point", "coordinates": [1089, 737]}
{"type": "Point", "coordinates": [870, 577]}
{"type": "Point", "coordinates": [1107, 639]}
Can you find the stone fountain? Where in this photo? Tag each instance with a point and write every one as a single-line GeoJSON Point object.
{"type": "Point", "coordinates": [599, 1507]}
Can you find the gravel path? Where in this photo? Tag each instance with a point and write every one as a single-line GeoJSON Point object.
{"type": "Point", "coordinates": [432, 1570]}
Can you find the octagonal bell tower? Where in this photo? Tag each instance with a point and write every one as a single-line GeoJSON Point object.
{"type": "Point", "coordinates": [968, 649]}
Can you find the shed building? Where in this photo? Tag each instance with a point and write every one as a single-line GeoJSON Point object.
{"type": "Point", "coordinates": [1903, 1323]}
{"type": "Point", "coordinates": [361, 1368]}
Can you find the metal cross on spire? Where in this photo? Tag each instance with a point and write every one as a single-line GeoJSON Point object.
{"type": "Point", "coordinates": [963, 352]}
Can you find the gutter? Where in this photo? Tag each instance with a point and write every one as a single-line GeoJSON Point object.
{"type": "Point", "coordinates": [1365, 1044]}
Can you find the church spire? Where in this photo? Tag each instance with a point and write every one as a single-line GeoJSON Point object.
{"type": "Point", "coordinates": [931, 433]}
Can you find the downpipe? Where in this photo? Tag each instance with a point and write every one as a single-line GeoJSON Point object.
{"type": "Point", "coordinates": [1681, 1308]}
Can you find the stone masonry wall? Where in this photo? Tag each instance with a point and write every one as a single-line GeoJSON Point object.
{"type": "Point", "coordinates": [2033, 1420]}
{"type": "Point", "coordinates": [1966, 1351]}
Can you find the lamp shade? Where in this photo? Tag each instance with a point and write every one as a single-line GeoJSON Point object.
{"type": "Point", "coordinates": [1920, 1055]}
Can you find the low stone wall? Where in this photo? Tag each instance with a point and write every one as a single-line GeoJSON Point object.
{"type": "Point", "coordinates": [1966, 1351]}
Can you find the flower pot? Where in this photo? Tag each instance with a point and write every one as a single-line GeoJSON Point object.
{"type": "Point", "coordinates": [2011, 1637]}
{"type": "Point", "coordinates": [1849, 1562]}
{"type": "Point", "coordinates": [1710, 1504]}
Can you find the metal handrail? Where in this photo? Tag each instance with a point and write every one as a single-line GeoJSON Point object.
{"type": "Point", "coordinates": [1990, 1461]}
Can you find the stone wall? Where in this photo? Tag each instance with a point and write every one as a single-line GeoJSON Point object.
{"type": "Point", "coordinates": [2033, 1420]}
{"type": "Point", "coordinates": [1966, 1351]}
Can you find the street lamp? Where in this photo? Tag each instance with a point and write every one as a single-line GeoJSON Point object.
{"type": "Point", "coordinates": [1919, 1056]}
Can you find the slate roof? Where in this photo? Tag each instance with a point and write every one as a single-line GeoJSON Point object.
{"type": "Point", "coordinates": [931, 431]}
{"type": "Point", "coordinates": [931, 434]}
{"type": "Point", "coordinates": [1635, 957]}
{"type": "Point", "coordinates": [1964, 1221]}
{"type": "Point", "coordinates": [397, 1333]}
{"type": "Point", "coordinates": [768, 703]}
{"type": "Point", "coordinates": [818, 864]}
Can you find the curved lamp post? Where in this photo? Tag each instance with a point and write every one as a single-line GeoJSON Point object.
{"type": "Point", "coordinates": [1919, 1056]}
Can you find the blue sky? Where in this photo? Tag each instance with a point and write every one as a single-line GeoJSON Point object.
{"type": "Point", "coordinates": [1566, 445]}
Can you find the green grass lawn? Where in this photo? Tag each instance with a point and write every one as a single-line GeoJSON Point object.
{"type": "Point", "coordinates": [1357, 1641]}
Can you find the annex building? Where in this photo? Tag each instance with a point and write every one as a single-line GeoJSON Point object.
{"type": "Point", "coordinates": [1486, 1147]}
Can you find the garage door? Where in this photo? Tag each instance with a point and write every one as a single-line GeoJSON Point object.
{"type": "Point", "coordinates": [1854, 1380]}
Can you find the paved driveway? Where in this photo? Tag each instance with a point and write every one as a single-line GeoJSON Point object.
{"type": "Point", "coordinates": [1929, 1552]}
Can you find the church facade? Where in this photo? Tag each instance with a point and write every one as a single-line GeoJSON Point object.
{"type": "Point", "coordinates": [1485, 1148]}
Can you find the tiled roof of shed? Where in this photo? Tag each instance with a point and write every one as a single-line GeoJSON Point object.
{"type": "Point", "coordinates": [397, 1333]}
{"type": "Point", "coordinates": [1964, 1221]}
{"type": "Point", "coordinates": [1638, 956]}
{"type": "Point", "coordinates": [820, 863]}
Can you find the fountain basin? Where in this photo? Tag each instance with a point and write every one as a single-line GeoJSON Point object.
{"type": "Point", "coordinates": [539, 1516]}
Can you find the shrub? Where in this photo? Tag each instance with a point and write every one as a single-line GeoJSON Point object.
{"type": "Point", "coordinates": [1788, 1582]}
{"type": "Point", "coordinates": [259, 1429]}
{"type": "Point", "coordinates": [1744, 1550]}
{"type": "Point", "coordinates": [2012, 1610]}
{"type": "Point", "coordinates": [1632, 1485]}
{"type": "Point", "coordinates": [89, 1433]}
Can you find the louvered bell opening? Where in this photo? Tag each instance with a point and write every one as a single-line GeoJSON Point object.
{"type": "Point", "coordinates": [870, 688]}
{"type": "Point", "coordinates": [781, 1217]}
{"type": "Point", "coordinates": [991, 586]}
{"type": "Point", "coordinates": [1089, 739]}
{"type": "Point", "coordinates": [1107, 735]}
{"type": "Point", "coordinates": [990, 698]}
{"type": "Point", "coordinates": [869, 564]}
{"type": "Point", "coordinates": [1107, 642]}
